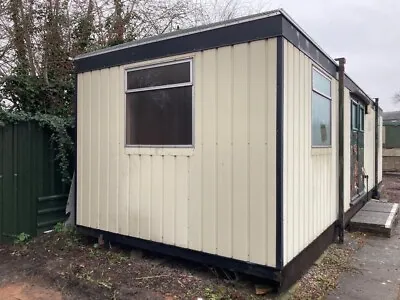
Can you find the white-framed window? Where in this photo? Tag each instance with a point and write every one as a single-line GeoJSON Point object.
{"type": "Point", "coordinates": [321, 109]}
{"type": "Point", "coordinates": [159, 105]}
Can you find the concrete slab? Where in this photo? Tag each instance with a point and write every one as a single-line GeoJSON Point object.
{"type": "Point", "coordinates": [374, 273]}
{"type": "Point", "coordinates": [376, 217]}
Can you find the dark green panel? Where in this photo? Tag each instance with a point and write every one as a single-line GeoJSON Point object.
{"type": "Point", "coordinates": [24, 179]}
{"type": "Point", "coordinates": [1, 182]}
{"type": "Point", "coordinates": [28, 173]}
{"type": "Point", "coordinates": [8, 213]}
{"type": "Point", "coordinates": [51, 210]}
{"type": "Point", "coordinates": [392, 136]}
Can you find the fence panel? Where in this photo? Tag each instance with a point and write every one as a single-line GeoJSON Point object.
{"type": "Point", "coordinates": [28, 173]}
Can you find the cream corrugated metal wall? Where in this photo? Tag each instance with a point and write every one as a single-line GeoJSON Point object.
{"type": "Point", "coordinates": [218, 197]}
{"type": "Point", "coordinates": [347, 150]}
{"type": "Point", "coordinates": [310, 174]}
{"type": "Point", "coordinates": [369, 148]}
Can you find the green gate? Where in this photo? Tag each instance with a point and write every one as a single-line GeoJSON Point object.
{"type": "Point", "coordinates": [32, 195]}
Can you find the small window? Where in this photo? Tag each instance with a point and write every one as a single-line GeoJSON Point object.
{"type": "Point", "coordinates": [159, 105]}
{"type": "Point", "coordinates": [321, 110]}
{"type": "Point", "coordinates": [362, 115]}
{"type": "Point", "coordinates": [354, 116]}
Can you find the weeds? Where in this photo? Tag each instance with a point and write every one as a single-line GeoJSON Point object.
{"type": "Point", "coordinates": [22, 238]}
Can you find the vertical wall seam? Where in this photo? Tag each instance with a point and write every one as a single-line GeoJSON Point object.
{"type": "Point", "coordinates": [98, 153]}
{"type": "Point", "coordinates": [215, 145]}
{"type": "Point", "coordinates": [248, 75]}
{"type": "Point", "coordinates": [266, 248]}
{"type": "Point", "coordinates": [231, 140]}
{"type": "Point", "coordinates": [279, 151]}
{"type": "Point", "coordinates": [108, 151]}
{"type": "Point", "coordinates": [90, 150]}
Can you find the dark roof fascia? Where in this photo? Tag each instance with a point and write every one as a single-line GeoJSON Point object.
{"type": "Point", "coordinates": [247, 29]}
{"type": "Point", "coordinates": [300, 39]}
{"type": "Point", "coordinates": [178, 44]}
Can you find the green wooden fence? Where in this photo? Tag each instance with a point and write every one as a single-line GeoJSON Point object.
{"type": "Point", "coordinates": [32, 195]}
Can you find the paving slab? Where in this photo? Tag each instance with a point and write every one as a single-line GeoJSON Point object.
{"type": "Point", "coordinates": [374, 272]}
{"type": "Point", "coordinates": [376, 217]}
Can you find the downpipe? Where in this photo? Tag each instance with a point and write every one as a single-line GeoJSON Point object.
{"type": "Point", "coordinates": [340, 220]}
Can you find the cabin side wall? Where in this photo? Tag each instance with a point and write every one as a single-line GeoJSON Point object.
{"type": "Point", "coordinates": [310, 174]}
{"type": "Point", "coordinates": [311, 185]}
{"type": "Point", "coordinates": [218, 197]}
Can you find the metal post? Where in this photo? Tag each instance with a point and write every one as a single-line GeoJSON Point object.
{"type": "Point", "coordinates": [340, 220]}
{"type": "Point", "coordinates": [376, 194]}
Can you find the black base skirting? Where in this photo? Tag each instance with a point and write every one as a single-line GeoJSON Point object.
{"type": "Point", "coordinates": [260, 271]}
{"type": "Point", "coordinates": [283, 278]}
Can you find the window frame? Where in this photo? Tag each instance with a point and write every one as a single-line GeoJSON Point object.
{"type": "Point", "coordinates": [361, 117]}
{"type": "Point", "coordinates": [160, 87]}
{"type": "Point", "coordinates": [327, 97]}
{"type": "Point", "coordinates": [357, 113]}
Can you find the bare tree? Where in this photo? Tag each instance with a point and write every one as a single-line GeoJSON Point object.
{"type": "Point", "coordinates": [396, 98]}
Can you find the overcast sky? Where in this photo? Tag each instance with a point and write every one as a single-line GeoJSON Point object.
{"type": "Point", "coordinates": [365, 32]}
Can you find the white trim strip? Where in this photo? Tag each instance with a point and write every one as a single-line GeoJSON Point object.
{"type": "Point", "coordinates": [391, 215]}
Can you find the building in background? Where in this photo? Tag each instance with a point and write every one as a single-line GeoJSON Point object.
{"type": "Point", "coordinates": [391, 141]}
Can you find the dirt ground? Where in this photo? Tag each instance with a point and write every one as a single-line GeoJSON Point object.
{"type": "Point", "coordinates": [391, 188]}
{"type": "Point", "coordinates": [66, 266]}
{"type": "Point", "coordinates": [63, 265]}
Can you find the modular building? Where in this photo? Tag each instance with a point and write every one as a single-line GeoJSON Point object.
{"type": "Point", "coordinates": [239, 144]}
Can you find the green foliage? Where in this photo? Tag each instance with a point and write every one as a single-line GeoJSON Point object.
{"type": "Point", "coordinates": [22, 238]}
{"type": "Point", "coordinates": [58, 127]}
{"type": "Point", "coordinates": [59, 227]}
{"type": "Point", "coordinates": [32, 94]}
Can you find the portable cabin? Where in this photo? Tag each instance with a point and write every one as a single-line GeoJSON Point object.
{"type": "Point", "coordinates": [240, 144]}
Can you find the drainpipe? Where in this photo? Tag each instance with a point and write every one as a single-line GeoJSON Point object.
{"type": "Point", "coordinates": [376, 193]}
{"type": "Point", "coordinates": [340, 220]}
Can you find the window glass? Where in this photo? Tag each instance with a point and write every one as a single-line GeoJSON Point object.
{"type": "Point", "coordinates": [321, 120]}
{"type": "Point", "coordinates": [354, 115]}
{"type": "Point", "coordinates": [321, 84]}
{"type": "Point", "coordinates": [158, 76]}
{"type": "Point", "coordinates": [159, 117]}
{"type": "Point", "coordinates": [362, 113]}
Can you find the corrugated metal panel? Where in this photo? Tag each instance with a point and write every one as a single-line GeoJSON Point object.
{"type": "Point", "coordinates": [347, 150]}
{"type": "Point", "coordinates": [310, 174]}
{"type": "Point", "coordinates": [392, 136]}
{"type": "Point", "coordinates": [27, 172]}
{"type": "Point", "coordinates": [369, 148]}
{"type": "Point", "coordinates": [218, 198]}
